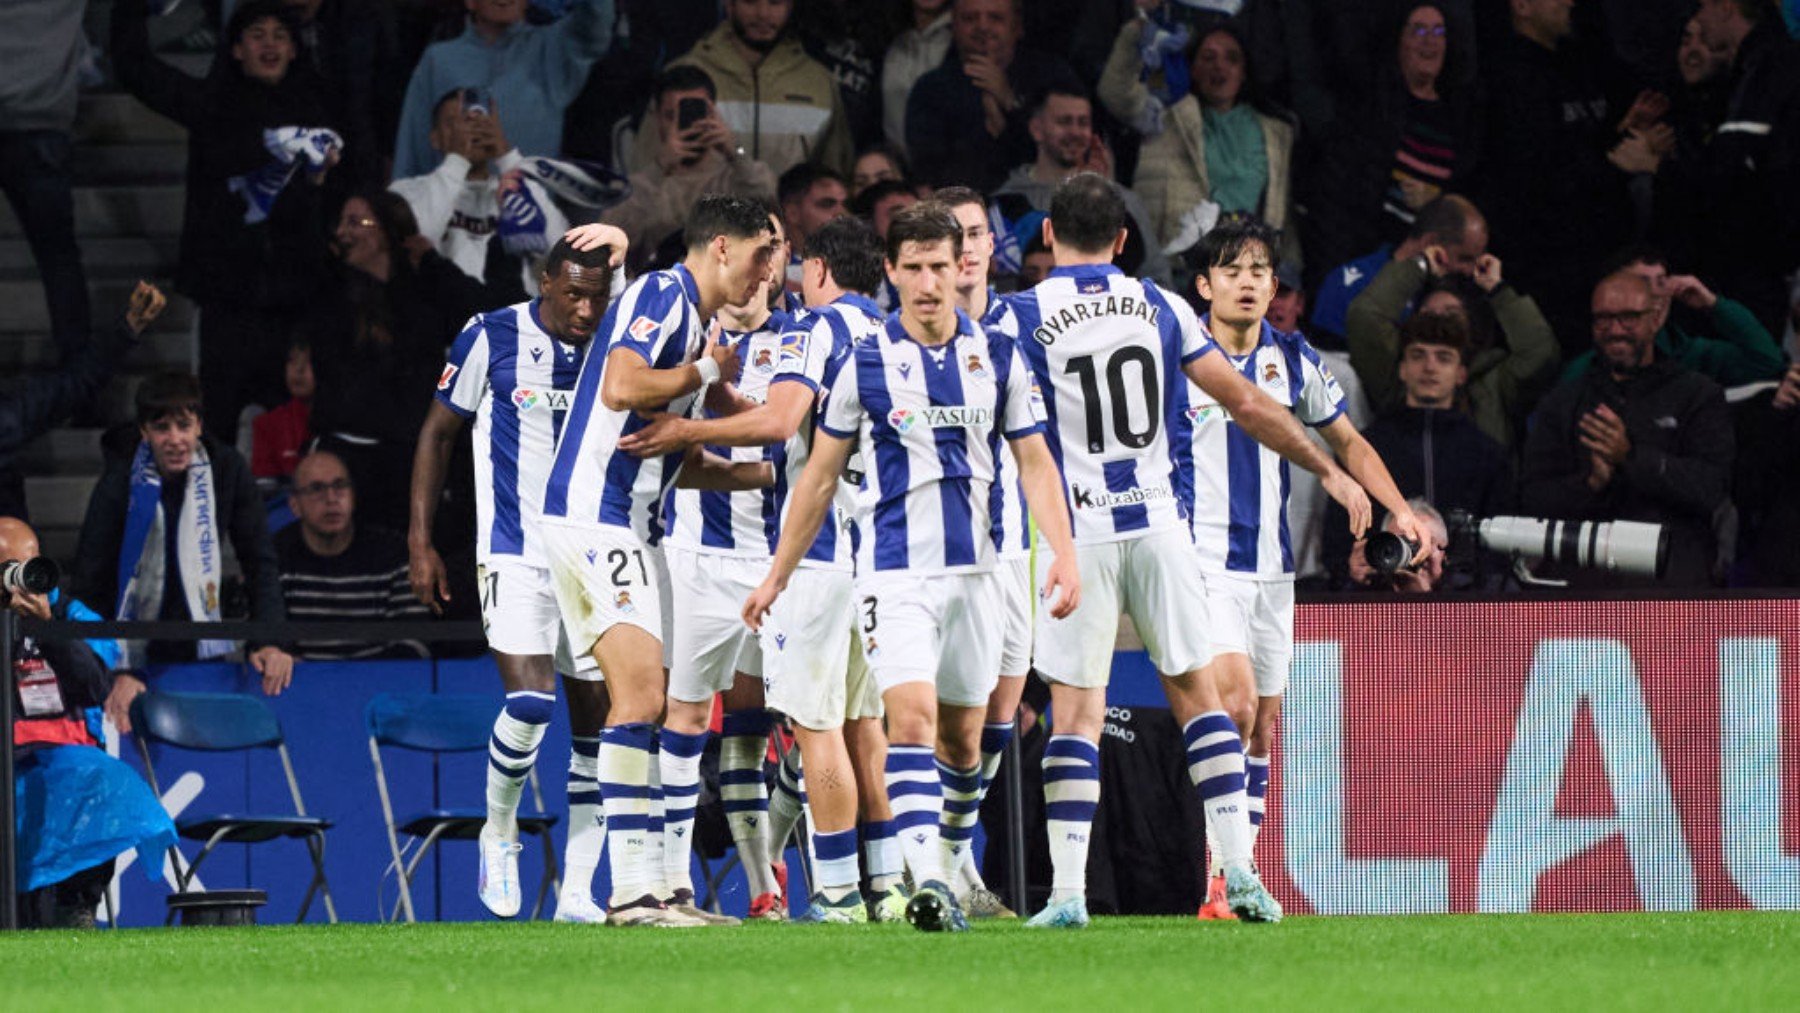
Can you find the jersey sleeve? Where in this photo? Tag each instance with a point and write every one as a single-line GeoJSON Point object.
{"type": "Point", "coordinates": [1023, 405]}
{"type": "Point", "coordinates": [1195, 340]}
{"type": "Point", "coordinates": [805, 354]}
{"type": "Point", "coordinates": [465, 376]}
{"type": "Point", "coordinates": [843, 408]}
{"type": "Point", "coordinates": [1321, 399]}
{"type": "Point", "coordinates": [650, 322]}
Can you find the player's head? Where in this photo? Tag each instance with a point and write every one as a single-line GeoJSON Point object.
{"type": "Point", "coordinates": [576, 286]}
{"type": "Point", "coordinates": [1087, 218]}
{"type": "Point", "coordinates": [845, 256]}
{"type": "Point", "coordinates": [730, 243]}
{"type": "Point", "coordinates": [262, 40]}
{"type": "Point", "coordinates": [1434, 350]}
{"type": "Point", "coordinates": [1238, 259]}
{"type": "Point", "coordinates": [323, 497]}
{"type": "Point", "coordinates": [924, 256]}
{"type": "Point", "coordinates": [970, 209]}
{"type": "Point", "coordinates": [168, 418]}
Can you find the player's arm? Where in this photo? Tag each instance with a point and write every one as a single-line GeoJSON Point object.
{"type": "Point", "coordinates": [775, 421]}
{"type": "Point", "coordinates": [712, 473]}
{"type": "Point", "coordinates": [809, 501]}
{"type": "Point", "coordinates": [631, 383]}
{"type": "Point", "coordinates": [1271, 424]}
{"type": "Point", "coordinates": [1370, 472]}
{"type": "Point", "coordinates": [431, 461]}
{"type": "Point", "coordinates": [1050, 510]}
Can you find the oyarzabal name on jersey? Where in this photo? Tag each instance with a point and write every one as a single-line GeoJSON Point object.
{"type": "Point", "coordinates": [1093, 309]}
{"type": "Point", "coordinates": [939, 417]}
{"type": "Point", "coordinates": [1087, 498]}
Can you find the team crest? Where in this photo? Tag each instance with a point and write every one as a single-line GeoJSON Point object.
{"type": "Point", "coordinates": [902, 419]}
{"type": "Point", "coordinates": [764, 360]}
{"type": "Point", "coordinates": [869, 648]}
{"type": "Point", "coordinates": [622, 602]}
{"type": "Point", "coordinates": [976, 367]}
{"type": "Point", "coordinates": [449, 374]}
{"type": "Point", "coordinates": [1271, 373]}
{"type": "Point", "coordinates": [1092, 286]}
{"type": "Point", "coordinates": [642, 328]}
{"type": "Point", "coordinates": [525, 399]}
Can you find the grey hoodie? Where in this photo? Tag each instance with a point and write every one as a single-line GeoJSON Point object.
{"type": "Point", "coordinates": [42, 48]}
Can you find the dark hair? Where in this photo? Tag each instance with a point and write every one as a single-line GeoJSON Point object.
{"type": "Point", "coordinates": [887, 151]}
{"type": "Point", "coordinates": [1445, 219]}
{"type": "Point", "coordinates": [956, 196]}
{"type": "Point", "coordinates": [371, 309]}
{"type": "Point", "coordinates": [1249, 93]}
{"type": "Point", "coordinates": [925, 222]}
{"type": "Point", "coordinates": [1444, 329]}
{"type": "Point", "coordinates": [1631, 256]}
{"type": "Point", "coordinates": [166, 394]}
{"type": "Point", "coordinates": [1037, 245]}
{"type": "Point", "coordinates": [1230, 238]}
{"type": "Point", "coordinates": [1399, 13]}
{"type": "Point", "coordinates": [1484, 325]}
{"type": "Point", "coordinates": [252, 11]}
{"type": "Point", "coordinates": [720, 214]}
{"type": "Point", "coordinates": [851, 251]}
{"type": "Point", "coordinates": [1087, 211]}
{"type": "Point", "coordinates": [799, 180]}
{"type": "Point", "coordinates": [1062, 85]}
{"type": "Point", "coordinates": [863, 205]}
{"type": "Point", "coordinates": [682, 77]}
{"type": "Point", "coordinates": [598, 258]}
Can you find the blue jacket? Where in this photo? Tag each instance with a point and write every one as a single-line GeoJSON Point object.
{"type": "Point", "coordinates": [532, 72]}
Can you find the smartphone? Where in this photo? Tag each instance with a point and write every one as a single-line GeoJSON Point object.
{"type": "Point", "coordinates": [690, 111]}
{"type": "Point", "coordinates": [474, 102]}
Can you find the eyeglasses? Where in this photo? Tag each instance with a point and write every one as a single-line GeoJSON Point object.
{"type": "Point", "coordinates": [361, 223]}
{"type": "Point", "coordinates": [321, 490]}
{"type": "Point", "coordinates": [1426, 31]}
{"type": "Point", "coordinates": [1622, 317]}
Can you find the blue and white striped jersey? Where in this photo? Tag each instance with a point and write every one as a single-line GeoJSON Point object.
{"type": "Point", "coordinates": [741, 523]}
{"type": "Point", "coordinates": [1109, 350]}
{"type": "Point", "coordinates": [592, 482]}
{"type": "Point", "coordinates": [928, 422]}
{"type": "Point", "coordinates": [1012, 521]}
{"type": "Point", "coordinates": [1240, 499]}
{"type": "Point", "coordinates": [516, 380]}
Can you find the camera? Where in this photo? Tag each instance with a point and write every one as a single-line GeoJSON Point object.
{"type": "Point", "coordinates": [1389, 553]}
{"type": "Point", "coordinates": [29, 576]}
{"type": "Point", "coordinates": [1627, 548]}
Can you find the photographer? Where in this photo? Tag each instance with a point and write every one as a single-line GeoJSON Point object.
{"type": "Point", "coordinates": [79, 807]}
{"type": "Point", "coordinates": [1423, 578]}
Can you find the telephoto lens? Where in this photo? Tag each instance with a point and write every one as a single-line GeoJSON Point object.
{"type": "Point", "coordinates": [29, 576]}
{"type": "Point", "coordinates": [1389, 553]}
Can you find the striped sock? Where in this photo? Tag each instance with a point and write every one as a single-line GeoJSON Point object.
{"type": "Point", "coordinates": [881, 855]}
{"type": "Point", "coordinates": [917, 798]}
{"type": "Point", "coordinates": [788, 803]}
{"type": "Point", "coordinates": [743, 742]}
{"type": "Point", "coordinates": [625, 766]}
{"type": "Point", "coordinates": [956, 829]}
{"type": "Point", "coordinates": [1215, 757]}
{"type": "Point", "coordinates": [587, 829]}
{"type": "Point", "coordinates": [1071, 794]}
{"type": "Point", "coordinates": [680, 769]}
{"type": "Point", "coordinates": [834, 863]}
{"type": "Point", "coordinates": [653, 856]}
{"type": "Point", "coordinates": [994, 740]}
{"type": "Point", "coordinates": [1256, 790]}
{"type": "Point", "coordinates": [511, 752]}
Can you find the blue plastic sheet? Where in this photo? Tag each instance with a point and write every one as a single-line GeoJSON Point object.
{"type": "Point", "coordinates": [79, 807]}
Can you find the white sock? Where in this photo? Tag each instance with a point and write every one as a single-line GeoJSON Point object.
{"type": "Point", "coordinates": [743, 742]}
{"type": "Point", "coordinates": [654, 863]}
{"type": "Point", "coordinates": [956, 830]}
{"type": "Point", "coordinates": [587, 820]}
{"type": "Point", "coordinates": [1071, 796]}
{"type": "Point", "coordinates": [881, 855]}
{"type": "Point", "coordinates": [834, 863]}
{"type": "Point", "coordinates": [1215, 758]}
{"type": "Point", "coordinates": [625, 766]}
{"type": "Point", "coordinates": [917, 798]}
{"type": "Point", "coordinates": [679, 766]}
{"type": "Point", "coordinates": [512, 750]}
{"type": "Point", "coordinates": [788, 802]}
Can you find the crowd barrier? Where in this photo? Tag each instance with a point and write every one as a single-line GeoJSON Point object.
{"type": "Point", "coordinates": [1434, 757]}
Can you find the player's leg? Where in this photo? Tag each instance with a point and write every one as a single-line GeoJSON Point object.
{"type": "Point", "coordinates": [959, 769]}
{"type": "Point", "coordinates": [1272, 651]}
{"type": "Point", "coordinates": [882, 858]}
{"type": "Point", "coordinates": [998, 727]}
{"type": "Point", "coordinates": [831, 808]}
{"type": "Point", "coordinates": [512, 751]}
{"type": "Point", "coordinates": [1228, 604]}
{"type": "Point", "coordinates": [587, 699]}
{"type": "Point", "coordinates": [743, 743]}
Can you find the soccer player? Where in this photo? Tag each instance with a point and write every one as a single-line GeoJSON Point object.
{"type": "Point", "coordinates": [806, 640]}
{"type": "Point", "coordinates": [513, 371]}
{"type": "Point", "coordinates": [602, 516]}
{"type": "Point", "coordinates": [1239, 501]}
{"type": "Point", "coordinates": [926, 402]}
{"type": "Point", "coordinates": [1116, 355]}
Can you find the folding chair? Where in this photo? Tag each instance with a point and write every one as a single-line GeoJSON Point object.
{"type": "Point", "coordinates": [222, 723]}
{"type": "Point", "coordinates": [446, 723]}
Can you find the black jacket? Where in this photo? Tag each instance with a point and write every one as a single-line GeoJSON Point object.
{"type": "Point", "coordinates": [353, 48]}
{"type": "Point", "coordinates": [32, 405]}
{"type": "Point", "coordinates": [1677, 474]}
{"type": "Point", "coordinates": [944, 131]}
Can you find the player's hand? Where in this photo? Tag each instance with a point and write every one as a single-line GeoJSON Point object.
{"type": "Point", "coordinates": [1341, 487]}
{"type": "Point", "coordinates": [588, 237]}
{"type": "Point", "coordinates": [1691, 292]}
{"type": "Point", "coordinates": [725, 355]}
{"type": "Point", "coordinates": [276, 667]}
{"type": "Point", "coordinates": [1065, 576]}
{"type": "Point", "coordinates": [1407, 525]}
{"type": "Point", "coordinates": [125, 688]}
{"type": "Point", "coordinates": [430, 582]}
{"type": "Point", "coordinates": [666, 434]}
{"type": "Point", "coordinates": [761, 600]}
{"type": "Point", "coordinates": [1488, 272]}
{"type": "Point", "coordinates": [147, 302]}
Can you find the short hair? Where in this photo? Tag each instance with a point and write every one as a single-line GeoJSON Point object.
{"type": "Point", "coordinates": [1064, 86]}
{"type": "Point", "coordinates": [323, 454]}
{"type": "Point", "coordinates": [682, 77]}
{"type": "Point", "coordinates": [1628, 279]}
{"type": "Point", "coordinates": [1087, 211]}
{"type": "Point", "coordinates": [1443, 329]}
{"type": "Point", "coordinates": [166, 394]}
{"type": "Point", "coordinates": [1478, 306]}
{"type": "Point", "coordinates": [798, 181]}
{"type": "Point", "coordinates": [1633, 255]}
{"type": "Point", "coordinates": [851, 251]}
{"type": "Point", "coordinates": [1445, 218]}
{"type": "Point", "coordinates": [252, 11]}
{"type": "Point", "coordinates": [925, 222]}
{"type": "Point", "coordinates": [863, 204]}
{"type": "Point", "coordinates": [598, 258]}
{"type": "Point", "coordinates": [954, 197]}
{"type": "Point", "coordinates": [1035, 246]}
{"type": "Point", "coordinates": [720, 214]}
{"type": "Point", "coordinates": [1230, 238]}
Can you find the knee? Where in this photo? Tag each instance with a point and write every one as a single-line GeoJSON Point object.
{"type": "Point", "coordinates": [911, 726]}
{"type": "Point", "coordinates": [688, 718]}
{"type": "Point", "coordinates": [959, 754]}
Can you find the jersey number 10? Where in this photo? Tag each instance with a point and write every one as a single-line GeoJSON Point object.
{"type": "Point", "coordinates": [1119, 398]}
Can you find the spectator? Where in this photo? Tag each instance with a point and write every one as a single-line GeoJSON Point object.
{"type": "Point", "coordinates": [1643, 438]}
{"type": "Point", "coordinates": [1064, 142]}
{"type": "Point", "coordinates": [150, 544]}
{"type": "Point", "coordinates": [36, 403]}
{"type": "Point", "coordinates": [966, 120]}
{"type": "Point", "coordinates": [1216, 145]}
{"type": "Point", "coordinates": [782, 104]}
{"type": "Point", "coordinates": [279, 435]}
{"type": "Point", "coordinates": [1037, 263]}
{"type": "Point", "coordinates": [878, 164]}
{"type": "Point", "coordinates": [43, 48]}
{"type": "Point", "coordinates": [1512, 353]}
{"type": "Point", "coordinates": [914, 53]}
{"type": "Point", "coordinates": [706, 158]}
{"type": "Point", "coordinates": [529, 73]}
{"type": "Point", "coordinates": [847, 39]}
{"type": "Point", "coordinates": [1766, 490]}
{"type": "Point", "coordinates": [1422, 579]}
{"type": "Point", "coordinates": [878, 204]}
{"type": "Point", "coordinates": [458, 204]}
{"type": "Point", "coordinates": [252, 252]}
{"type": "Point", "coordinates": [335, 570]}
{"type": "Point", "coordinates": [1450, 223]}
{"type": "Point", "coordinates": [1431, 444]}
{"type": "Point", "coordinates": [810, 195]}
{"type": "Point", "coordinates": [1736, 349]}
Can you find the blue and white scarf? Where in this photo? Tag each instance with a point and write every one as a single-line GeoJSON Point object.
{"type": "Point", "coordinates": [583, 184]}
{"type": "Point", "coordinates": [290, 147]}
{"type": "Point", "coordinates": [142, 559]}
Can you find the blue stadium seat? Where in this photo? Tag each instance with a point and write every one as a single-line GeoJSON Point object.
{"type": "Point", "coordinates": [443, 723]}
{"type": "Point", "coordinates": [221, 723]}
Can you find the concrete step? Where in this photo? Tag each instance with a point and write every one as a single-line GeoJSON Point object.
{"type": "Point", "coordinates": [115, 117]}
{"type": "Point", "coordinates": [159, 348]}
{"type": "Point", "coordinates": [146, 210]}
{"type": "Point", "coordinates": [104, 256]}
{"type": "Point", "coordinates": [58, 542]}
{"type": "Point", "coordinates": [68, 451]}
{"type": "Point", "coordinates": [133, 164]}
{"type": "Point", "coordinates": [58, 501]}
{"type": "Point", "coordinates": [22, 307]}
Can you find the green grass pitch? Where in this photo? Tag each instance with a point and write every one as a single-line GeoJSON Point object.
{"type": "Point", "coordinates": [1724, 961]}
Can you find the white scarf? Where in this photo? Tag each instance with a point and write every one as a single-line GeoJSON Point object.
{"type": "Point", "coordinates": [142, 560]}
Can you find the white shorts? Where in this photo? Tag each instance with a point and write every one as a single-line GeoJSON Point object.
{"type": "Point", "coordinates": [1015, 599]}
{"type": "Point", "coordinates": [943, 629]}
{"type": "Point", "coordinates": [519, 615]}
{"type": "Point", "coordinates": [1156, 580]}
{"type": "Point", "coordinates": [806, 648]}
{"type": "Point", "coordinates": [862, 701]}
{"type": "Point", "coordinates": [711, 643]}
{"type": "Point", "coordinates": [604, 577]}
{"type": "Point", "coordinates": [1256, 618]}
